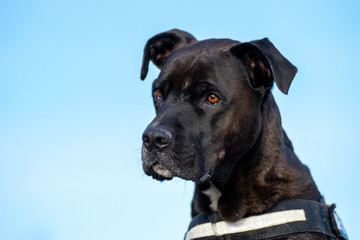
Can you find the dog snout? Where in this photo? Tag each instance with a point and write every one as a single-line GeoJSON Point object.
{"type": "Point", "coordinates": [157, 137]}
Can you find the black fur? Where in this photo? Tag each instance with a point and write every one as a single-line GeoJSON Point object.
{"type": "Point", "coordinates": [238, 143]}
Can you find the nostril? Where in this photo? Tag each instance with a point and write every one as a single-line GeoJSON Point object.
{"type": "Point", "coordinates": [163, 138]}
{"type": "Point", "coordinates": [162, 141]}
{"type": "Point", "coordinates": [145, 138]}
{"type": "Point", "coordinates": [158, 137]}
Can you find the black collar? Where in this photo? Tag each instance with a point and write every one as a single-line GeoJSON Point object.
{"type": "Point", "coordinates": [288, 217]}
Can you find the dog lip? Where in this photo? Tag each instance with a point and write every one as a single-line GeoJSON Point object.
{"type": "Point", "coordinates": [153, 166]}
{"type": "Point", "coordinates": [162, 171]}
{"type": "Point", "coordinates": [150, 170]}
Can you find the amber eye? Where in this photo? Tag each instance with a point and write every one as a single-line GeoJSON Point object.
{"type": "Point", "coordinates": [213, 99]}
{"type": "Point", "coordinates": [158, 95]}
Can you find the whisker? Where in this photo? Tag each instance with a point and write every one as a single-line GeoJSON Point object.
{"type": "Point", "coordinates": [241, 135]}
{"type": "Point", "coordinates": [136, 150]}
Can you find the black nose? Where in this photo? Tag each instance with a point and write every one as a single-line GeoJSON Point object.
{"type": "Point", "coordinates": [158, 137]}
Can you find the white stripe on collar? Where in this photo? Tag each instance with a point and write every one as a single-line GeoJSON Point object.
{"type": "Point", "coordinates": [246, 224]}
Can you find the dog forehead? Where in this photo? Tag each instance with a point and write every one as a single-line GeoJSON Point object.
{"type": "Point", "coordinates": [196, 62]}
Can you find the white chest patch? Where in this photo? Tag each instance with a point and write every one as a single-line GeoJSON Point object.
{"type": "Point", "coordinates": [214, 194]}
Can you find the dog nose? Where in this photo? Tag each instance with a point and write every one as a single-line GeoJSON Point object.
{"type": "Point", "coordinates": [158, 137]}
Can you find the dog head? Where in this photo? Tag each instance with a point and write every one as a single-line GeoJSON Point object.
{"type": "Point", "coordinates": [208, 99]}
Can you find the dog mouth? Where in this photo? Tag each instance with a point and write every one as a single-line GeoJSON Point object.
{"type": "Point", "coordinates": [162, 171]}
{"type": "Point", "coordinates": [159, 172]}
{"type": "Point", "coordinates": [165, 166]}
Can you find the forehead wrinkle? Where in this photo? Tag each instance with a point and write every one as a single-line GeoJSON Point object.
{"type": "Point", "coordinates": [173, 72]}
{"type": "Point", "coordinates": [185, 70]}
{"type": "Point", "coordinates": [198, 71]}
{"type": "Point", "coordinates": [155, 83]}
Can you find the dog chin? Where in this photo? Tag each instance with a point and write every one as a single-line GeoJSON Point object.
{"type": "Point", "coordinates": [161, 173]}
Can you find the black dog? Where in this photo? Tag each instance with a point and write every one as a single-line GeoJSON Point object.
{"type": "Point", "coordinates": [218, 125]}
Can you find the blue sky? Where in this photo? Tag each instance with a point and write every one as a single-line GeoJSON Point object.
{"type": "Point", "coordinates": [73, 108]}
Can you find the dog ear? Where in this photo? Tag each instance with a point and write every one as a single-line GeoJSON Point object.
{"type": "Point", "coordinates": [159, 47]}
{"type": "Point", "coordinates": [265, 64]}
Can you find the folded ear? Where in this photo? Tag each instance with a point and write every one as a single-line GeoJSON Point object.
{"type": "Point", "coordinates": [265, 64]}
{"type": "Point", "coordinates": [159, 47]}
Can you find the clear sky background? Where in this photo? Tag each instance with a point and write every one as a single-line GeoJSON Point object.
{"type": "Point", "coordinates": [73, 108]}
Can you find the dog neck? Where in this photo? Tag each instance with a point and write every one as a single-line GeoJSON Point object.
{"type": "Point", "coordinates": [269, 172]}
{"type": "Point", "coordinates": [271, 146]}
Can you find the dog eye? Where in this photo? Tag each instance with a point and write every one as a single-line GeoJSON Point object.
{"type": "Point", "coordinates": [212, 98]}
{"type": "Point", "coordinates": [158, 95]}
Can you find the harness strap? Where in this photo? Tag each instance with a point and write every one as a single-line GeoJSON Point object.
{"type": "Point", "coordinates": [287, 218]}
